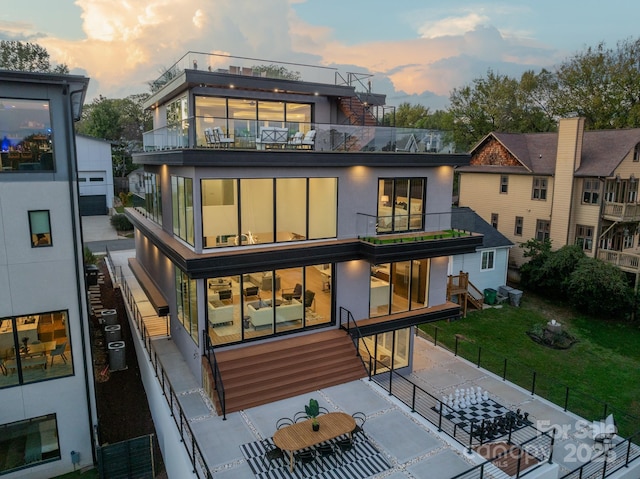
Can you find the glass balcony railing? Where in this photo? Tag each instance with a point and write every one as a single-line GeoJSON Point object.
{"type": "Point", "coordinates": [220, 63]}
{"type": "Point", "coordinates": [407, 227]}
{"type": "Point", "coordinates": [210, 132]}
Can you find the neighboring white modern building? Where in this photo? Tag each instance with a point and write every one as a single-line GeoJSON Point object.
{"type": "Point", "coordinates": [95, 175]}
{"type": "Point", "coordinates": [47, 405]}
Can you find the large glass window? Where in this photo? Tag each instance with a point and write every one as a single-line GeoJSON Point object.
{"type": "Point", "coordinates": [25, 135]}
{"type": "Point", "coordinates": [264, 303]}
{"type": "Point", "coordinates": [256, 211]}
{"type": "Point", "coordinates": [34, 348]}
{"type": "Point", "coordinates": [400, 204]}
{"type": "Point", "coordinates": [187, 303]}
{"type": "Point", "coordinates": [40, 226]}
{"type": "Point", "coordinates": [268, 210]}
{"type": "Point", "coordinates": [389, 349]}
{"type": "Point", "coordinates": [153, 197]}
{"type": "Point", "coordinates": [398, 287]}
{"type": "Point", "coordinates": [241, 119]}
{"type": "Point", "coordinates": [177, 123]}
{"type": "Point", "coordinates": [27, 443]}
{"type": "Point", "coordinates": [182, 201]}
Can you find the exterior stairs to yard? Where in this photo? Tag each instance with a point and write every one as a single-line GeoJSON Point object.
{"type": "Point", "coordinates": [267, 372]}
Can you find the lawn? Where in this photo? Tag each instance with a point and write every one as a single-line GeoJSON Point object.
{"type": "Point", "coordinates": [601, 370]}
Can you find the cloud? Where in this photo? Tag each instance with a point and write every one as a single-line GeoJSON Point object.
{"type": "Point", "coordinates": [129, 43]}
{"type": "Point", "coordinates": [452, 26]}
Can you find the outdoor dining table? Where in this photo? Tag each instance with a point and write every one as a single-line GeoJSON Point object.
{"type": "Point", "coordinates": [301, 434]}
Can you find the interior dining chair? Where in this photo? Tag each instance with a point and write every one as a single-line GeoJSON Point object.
{"type": "Point", "coordinates": [59, 351]}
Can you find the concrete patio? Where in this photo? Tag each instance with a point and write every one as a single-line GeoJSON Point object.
{"type": "Point", "coordinates": [411, 445]}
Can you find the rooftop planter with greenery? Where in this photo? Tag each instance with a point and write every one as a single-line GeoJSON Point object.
{"type": "Point", "coordinates": [415, 237]}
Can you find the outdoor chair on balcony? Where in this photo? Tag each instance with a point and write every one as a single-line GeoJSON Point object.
{"type": "Point", "coordinates": [304, 142]}
{"type": "Point", "coordinates": [221, 139]}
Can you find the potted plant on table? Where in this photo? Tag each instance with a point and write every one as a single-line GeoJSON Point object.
{"type": "Point", "coordinates": [313, 409]}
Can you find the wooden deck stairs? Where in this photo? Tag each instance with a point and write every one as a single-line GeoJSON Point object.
{"type": "Point", "coordinates": [464, 291]}
{"type": "Point", "coordinates": [271, 371]}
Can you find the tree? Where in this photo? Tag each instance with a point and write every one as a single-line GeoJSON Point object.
{"type": "Point", "coordinates": [602, 84]}
{"type": "Point", "coordinates": [28, 57]}
{"type": "Point", "coordinates": [556, 270]}
{"type": "Point", "coordinates": [410, 116]}
{"type": "Point", "coordinates": [538, 252]}
{"type": "Point", "coordinates": [277, 71]}
{"type": "Point", "coordinates": [497, 103]}
{"type": "Point", "coordinates": [600, 289]}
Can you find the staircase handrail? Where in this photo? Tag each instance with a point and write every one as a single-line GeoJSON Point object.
{"type": "Point", "coordinates": [356, 338]}
{"type": "Point", "coordinates": [475, 290]}
{"type": "Point", "coordinates": [217, 377]}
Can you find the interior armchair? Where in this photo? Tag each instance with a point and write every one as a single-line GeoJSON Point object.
{"type": "Point", "coordinates": [309, 297]}
{"type": "Point", "coordinates": [293, 293]}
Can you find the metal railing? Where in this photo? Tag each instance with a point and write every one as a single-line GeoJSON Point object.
{"type": "Point", "coordinates": [425, 224]}
{"type": "Point", "coordinates": [190, 133]}
{"type": "Point", "coordinates": [181, 420]}
{"type": "Point", "coordinates": [607, 462]}
{"type": "Point", "coordinates": [527, 438]}
{"type": "Point", "coordinates": [351, 327]}
{"type": "Point", "coordinates": [215, 370]}
{"type": "Point", "coordinates": [574, 400]}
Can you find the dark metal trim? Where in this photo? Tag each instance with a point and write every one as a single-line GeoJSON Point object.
{"type": "Point", "coordinates": [395, 323]}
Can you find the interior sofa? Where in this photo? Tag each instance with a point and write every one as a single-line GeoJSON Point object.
{"type": "Point", "coordinates": [261, 312]}
{"type": "Point", "coordinates": [220, 313]}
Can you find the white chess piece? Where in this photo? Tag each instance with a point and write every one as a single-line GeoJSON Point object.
{"type": "Point", "coordinates": [457, 393]}
{"type": "Point", "coordinates": [479, 391]}
{"type": "Point", "coordinates": [485, 396]}
{"type": "Point", "coordinates": [456, 405]}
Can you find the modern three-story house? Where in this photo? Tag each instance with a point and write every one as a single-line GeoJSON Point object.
{"type": "Point", "coordinates": [47, 407]}
{"type": "Point", "coordinates": [277, 210]}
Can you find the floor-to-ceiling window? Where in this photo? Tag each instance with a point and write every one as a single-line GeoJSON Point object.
{"type": "Point", "coordinates": [187, 303]}
{"type": "Point", "coordinates": [241, 118]}
{"type": "Point", "coordinates": [398, 287]}
{"type": "Point", "coordinates": [182, 201]}
{"type": "Point", "coordinates": [387, 349]}
{"type": "Point", "coordinates": [400, 204]}
{"type": "Point", "coordinates": [250, 211]}
{"type": "Point", "coordinates": [34, 347]}
{"type": "Point", "coordinates": [263, 303]}
{"type": "Point", "coordinates": [153, 197]}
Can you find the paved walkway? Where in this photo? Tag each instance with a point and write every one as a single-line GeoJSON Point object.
{"type": "Point", "coordinates": [411, 445]}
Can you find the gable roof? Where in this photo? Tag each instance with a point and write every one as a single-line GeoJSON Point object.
{"type": "Point", "coordinates": [466, 219]}
{"type": "Point", "coordinates": [602, 151]}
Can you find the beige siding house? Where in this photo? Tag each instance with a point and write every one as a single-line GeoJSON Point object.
{"type": "Point", "coordinates": [573, 187]}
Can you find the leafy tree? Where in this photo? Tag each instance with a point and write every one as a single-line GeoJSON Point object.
{"type": "Point", "coordinates": [410, 116]}
{"type": "Point", "coordinates": [277, 71]}
{"type": "Point", "coordinates": [531, 273]}
{"type": "Point", "coordinates": [496, 103]}
{"type": "Point", "coordinates": [600, 289]}
{"type": "Point", "coordinates": [557, 269]}
{"type": "Point", "coordinates": [29, 57]}
{"type": "Point", "coordinates": [602, 84]}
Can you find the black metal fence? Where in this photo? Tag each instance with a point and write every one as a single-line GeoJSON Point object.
{"type": "Point", "coordinates": [526, 438]}
{"type": "Point", "coordinates": [569, 399]}
{"type": "Point", "coordinates": [200, 468]}
{"type": "Point", "coordinates": [130, 459]}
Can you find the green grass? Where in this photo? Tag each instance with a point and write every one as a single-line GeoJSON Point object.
{"type": "Point", "coordinates": [601, 368]}
{"type": "Point", "coordinates": [90, 474]}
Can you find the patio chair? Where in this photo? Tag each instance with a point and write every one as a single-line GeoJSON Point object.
{"type": "Point", "coordinates": [309, 140]}
{"type": "Point", "coordinates": [323, 410]}
{"type": "Point", "coordinates": [360, 419]}
{"type": "Point", "coordinates": [306, 457]}
{"type": "Point", "coordinates": [300, 416]}
{"type": "Point", "coordinates": [283, 422]}
{"type": "Point", "coordinates": [344, 446]}
{"type": "Point", "coordinates": [221, 139]}
{"type": "Point", "coordinates": [602, 432]}
{"type": "Point", "coordinates": [272, 454]}
{"type": "Point", "coordinates": [325, 452]}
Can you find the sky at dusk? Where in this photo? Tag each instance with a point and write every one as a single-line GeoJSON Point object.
{"type": "Point", "coordinates": [417, 50]}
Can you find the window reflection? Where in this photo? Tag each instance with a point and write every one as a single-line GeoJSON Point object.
{"type": "Point", "coordinates": [33, 441]}
{"type": "Point", "coordinates": [398, 287]}
{"type": "Point", "coordinates": [25, 135]}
